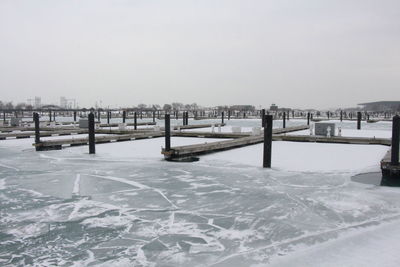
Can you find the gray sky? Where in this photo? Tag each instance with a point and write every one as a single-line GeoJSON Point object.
{"type": "Point", "coordinates": [297, 53]}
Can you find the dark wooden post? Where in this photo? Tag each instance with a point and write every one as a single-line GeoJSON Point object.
{"type": "Point", "coordinates": [184, 118]}
{"type": "Point", "coordinates": [222, 117]}
{"type": "Point", "coordinates": [358, 120]}
{"type": "Point", "coordinates": [284, 120]}
{"type": "Point", "coordinates": [167, 133]}
{"type": "Point", "coordinates": [262, 117]}
{"type": "Point", "coordinates": [54, 116]}
{"type": "Point", "coordinates": [328, 114]}
{"type": "Point", "coordinates": [187, 117]}
{"type": "Point", "coordinates": [108, 117]}
{"type": "Point", "coordinates": [308, 118]}
{"type": "Point", "coordinates": [75, 116]}
{"type": "Point", "coordinates": [50, 115]}
{"type": "Point", "coordinates": [341, 115]}
{"type": "Point", "coordinates": [37, 129]}
{"type": "Point", "coordinates": [92, 149]}
{"type": "Point", "coordinates": [154, 116]}
{"type": "Point", "coordinates": [4, 117]}
{"type": "Point", "coordinates": [229, 114]}
{"type": "Point", "coordinates": [135, 120]}
{"type": "Point", "coordinates": [267, 141]}
{"type": "Point", "coordinates": [123, 116]}
{"type": "Point", "coordinates": [395, 140]}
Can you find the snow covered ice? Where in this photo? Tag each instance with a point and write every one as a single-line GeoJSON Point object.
{"type": "Point", "coordinates": [126, 206]}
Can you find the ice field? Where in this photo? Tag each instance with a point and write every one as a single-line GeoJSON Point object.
{"type": "Point", "coordinates": [126, 206]}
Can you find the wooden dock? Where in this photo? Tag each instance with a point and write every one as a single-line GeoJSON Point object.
{"type": "Point", "coordinates": [185, 152]}
{"type": "Point", "coordinates": [240, 140]}
{"type": "Point", "coordinates": [19, 135]}
{"type": "Point", "coordinates": [389, 170]}
{"type": "Point", "coordinates": [57, 144]}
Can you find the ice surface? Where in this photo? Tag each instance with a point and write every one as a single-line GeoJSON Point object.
{"type": "Point", "coordinates": [125, 206]}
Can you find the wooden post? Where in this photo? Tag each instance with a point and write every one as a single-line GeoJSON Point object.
{"type": "Point", "coordinates": [4, 117]}
{"type": "Point", "coordinates": [222, 117]}
{"type": "Point", "coordinates": [229, 114]}
{"type": "Point", "coordinates": [123, 116]}
{"type": "Point", "coordinates": [135, 120]}
{"type": "Point", "coordinates": [75, 116]}
{"type": "Point", "coordinates": [108, 117]}
{"type": "Point", "coordinates": [267, 141]}
{"type": "Point", "coordinates": [184, 118]}
{"type": "Point", "coordinates": [167, 133]}
{"type": "Point", "coordinates": [341, 115]}
{"type": "Point", "coordinates": [308, 118]}
{"type": "Point", "coordinates": [262, 117]}
{"type": "Point", "coordinates": [395, 140]}
{"type": "Point", "coordinates": [50, 115]}
{"type": "Point", "coordinates": [158, 114]}
{"type": "Point", "coordinates": [54, 116]}
{"type": "Point", "coordinates": [284, 120]}
{"type": "Point", "coordinates": [328, 114]}
{"type": "Point", "coordinates": [154, 116]}
{"type": "Point", "coordinates": [37, 129]}
{"type": "Point", "coordinates": [187, 117]}
{"type": "Point", "coordinates": [92, 149]}
{"type": "Point", "coordinates": [358, 120]}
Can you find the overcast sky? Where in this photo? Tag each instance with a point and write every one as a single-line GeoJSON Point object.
{"type": "Point", "coordinates": [295, 53]}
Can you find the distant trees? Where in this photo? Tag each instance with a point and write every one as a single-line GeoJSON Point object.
{"type": "Point", "coordinates": [167, 107]}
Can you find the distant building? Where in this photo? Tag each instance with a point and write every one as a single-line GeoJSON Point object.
{"type": "Point", "coordinates": [381, 106]}
{"type": "Point", "coordinates": [273, 107]}
{"type": "Point", "coordinates": [38, 102]}
{"type": "Point", "coordinates": [63, 102]}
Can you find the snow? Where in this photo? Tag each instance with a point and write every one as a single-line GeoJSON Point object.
{"type": "Point", "coordinates": [307, 157]}
{"type": "Point", "coordinates": [126, 206]}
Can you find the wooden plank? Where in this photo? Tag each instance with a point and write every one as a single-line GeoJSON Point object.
{"type": "Point", "coordinates": [99, 139]}
{"type": "Point", "coordinates": [191, 150]}
{"type": "Point", "coordinates": [42, 134]}
{"type": "Point", "coordinates": [334, 139]}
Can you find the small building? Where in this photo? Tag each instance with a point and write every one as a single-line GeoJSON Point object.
{"type": "Point", "coordinates": [381, 106]}
{"type": "Point", "coordinates": [273, 107]}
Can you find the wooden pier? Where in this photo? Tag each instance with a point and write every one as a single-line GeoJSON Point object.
{"type": "Point", "coordinates": [57, 144]}
{"type": "Point", "coordinates": [185, 152]}
{"type": "Point", "coordinates": [389, 170]}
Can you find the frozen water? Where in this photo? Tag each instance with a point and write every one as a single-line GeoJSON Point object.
{"type": "Point", "coordinates": [125, 206]}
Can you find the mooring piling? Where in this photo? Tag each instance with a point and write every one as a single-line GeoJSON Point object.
{"type": "Point", "coordinates": [123, 116]}
{"type": "Point", "coordinates": [108, 117]}
{"type": "Point", "coordinates": [267, 141]}
{"type": "Point", "coordinates": [135, 121]}
{"type": "Point", "coordinates": [395, 140]}
{"type": "Point", "coordinates": [284, 120]}
{"type": "Point", "coordinates": [222, 117]}
{"type": "Point", "coordinates": [358, 120]}
{"type": "Point", "coordinates": [75, 116]}
{"type": "Point", "coordinates": [341, 115]}
{"type": "Point", "coordinates": [37, 129]}
{"type": "Point", "coordinates": [262, 117]}
{"type": "Point", "coordinates": [308, 118]}
{"type": "Point", "coordinates": [167, 133]}
{"type": "Point", "coordinates": [92, 149]}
